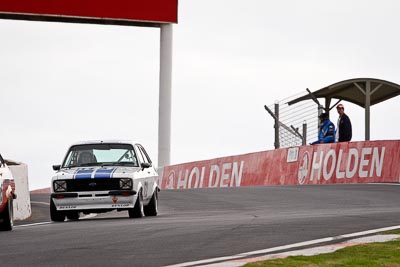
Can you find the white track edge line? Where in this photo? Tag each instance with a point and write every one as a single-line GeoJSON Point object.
{"type": "Point", "coordinates": [295, 245]}
{"type": "Point", "coordinates": [88, 216]}
{"type": "Point", "coordinates": [31, 224]}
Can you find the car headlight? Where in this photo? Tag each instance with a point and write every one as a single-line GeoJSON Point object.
{"type": "Point", "coordinates": [125, 183]}
{"type": "Point", "coordinates": [60, 186]}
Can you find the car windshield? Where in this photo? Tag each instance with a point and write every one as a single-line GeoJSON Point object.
{"type": "Point", "coordinates": [101, 155]}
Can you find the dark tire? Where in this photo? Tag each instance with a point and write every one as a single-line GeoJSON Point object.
{"type": "Point", "coordinates": [55, 215]}
{"type": "Point", "coordinates": [138, 209]}
{"type": "Point", "coordinates": [152, 208]}
{"type": "Point", "coordinates": [73, 216]}
{"type": "Point", "coordinates": [8, 216]}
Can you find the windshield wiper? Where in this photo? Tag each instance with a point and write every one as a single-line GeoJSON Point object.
{"type": "Point", "coordinates": [123, 163]}
{"type": "Point", "coordinates": [71, 166]}
{"type": "Point", "coordinates": [89, 164]}
{"type": "Point", "coordinates": [84, 165]}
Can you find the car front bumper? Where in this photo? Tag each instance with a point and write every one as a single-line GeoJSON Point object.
{"type": "Point", "coordinates": [116, 199]}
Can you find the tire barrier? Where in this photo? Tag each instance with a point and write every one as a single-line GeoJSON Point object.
{"type": "Point", "coordinates": [347, 162]}
{"type": "Point", "coordinates": [22, 204]}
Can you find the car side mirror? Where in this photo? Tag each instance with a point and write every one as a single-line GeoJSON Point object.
{"type": "Point", "coordinates": [56, 167]}
{"type": "Point", "coordinates": [145, 165]}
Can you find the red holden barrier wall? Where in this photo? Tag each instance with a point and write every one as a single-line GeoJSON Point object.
{"type": "Point", "coordinates": [349, 162]}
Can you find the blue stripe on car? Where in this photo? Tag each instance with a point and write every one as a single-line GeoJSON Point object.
{"type": "Point", "coordinates": [104, 173]}
{"type": "Point", "coordinates": [83, 174]}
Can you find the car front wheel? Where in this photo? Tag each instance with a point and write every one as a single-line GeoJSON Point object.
{"type": "Point", "coordinates": [55, 215]}
{"type": "Point", "coordinates": [152, 208]}
{"type": "Point", "coordinates": [138, 210]}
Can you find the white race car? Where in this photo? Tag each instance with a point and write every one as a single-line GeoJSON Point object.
{"type": "Point", "coordinates": [101, 176]}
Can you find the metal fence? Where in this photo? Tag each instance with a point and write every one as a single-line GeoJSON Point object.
{"type": "Point", "coordinates": [295, 125]}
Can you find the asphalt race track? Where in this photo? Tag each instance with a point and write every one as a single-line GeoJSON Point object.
{"type": "Point", "coordinates": [201, 224]}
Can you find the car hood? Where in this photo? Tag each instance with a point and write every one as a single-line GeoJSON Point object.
{"type": "Point", "coordinates": [96, 172]}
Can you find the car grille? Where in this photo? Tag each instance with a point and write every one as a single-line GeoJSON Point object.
{"type": "Point", "coordinates": [78, 185]}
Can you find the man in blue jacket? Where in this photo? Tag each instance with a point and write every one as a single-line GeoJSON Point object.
{"type": "Point", "coordinates": [327, 130]}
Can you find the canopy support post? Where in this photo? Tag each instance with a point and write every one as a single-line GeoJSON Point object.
{"type": "Point", "coordinates": [367, 109]}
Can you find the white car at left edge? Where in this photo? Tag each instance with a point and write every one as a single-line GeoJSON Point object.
{"type": "Point", "coordinates": [7, 196]}
{"type": "Point", "coordinates": [101, 176]}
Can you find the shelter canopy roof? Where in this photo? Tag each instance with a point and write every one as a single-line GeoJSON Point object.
{"type": "Point", "coordinates": [355, 91]}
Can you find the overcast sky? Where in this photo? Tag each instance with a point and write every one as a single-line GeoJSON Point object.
{"type": "Point", "coordinates": [62, 83]}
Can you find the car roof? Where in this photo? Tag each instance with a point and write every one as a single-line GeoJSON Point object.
{"type": "Point", "coordinates": [104, 142]}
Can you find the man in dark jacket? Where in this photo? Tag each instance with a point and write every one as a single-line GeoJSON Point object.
{"type": "Point", "coordinates": [344, 131]}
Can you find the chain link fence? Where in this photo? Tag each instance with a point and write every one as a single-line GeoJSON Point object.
{"type": "Point", "coordinates": [297, 124]}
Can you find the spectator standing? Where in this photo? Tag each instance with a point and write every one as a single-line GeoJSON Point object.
{"type": "Point", "coordinates": [326, 131]}
{"type": "Point", "coordinates": [344, 130]}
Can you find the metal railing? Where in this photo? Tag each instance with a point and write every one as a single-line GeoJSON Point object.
{"type": "Point", "coordinates": [289, 119]}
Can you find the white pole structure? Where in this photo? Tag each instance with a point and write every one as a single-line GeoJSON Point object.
{"type": "Point", "coordinates": [164, 111]}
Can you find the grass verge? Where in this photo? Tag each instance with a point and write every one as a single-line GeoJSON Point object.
{"type": "Point", "coordinates": [367, 255]}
